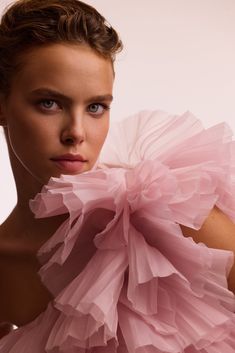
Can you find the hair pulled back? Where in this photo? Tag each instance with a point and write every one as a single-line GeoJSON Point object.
{"type": "Point", "coordinates": [30, 23]}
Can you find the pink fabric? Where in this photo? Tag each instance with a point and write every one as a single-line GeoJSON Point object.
{"type": "Point", "coordinates": [146, 288]}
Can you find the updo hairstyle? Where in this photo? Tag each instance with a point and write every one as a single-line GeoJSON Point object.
{"type": "Point", "coordinates": [32, 23]}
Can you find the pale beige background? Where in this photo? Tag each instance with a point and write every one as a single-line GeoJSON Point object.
{"type": "Point", "coordinates": [179, 55]}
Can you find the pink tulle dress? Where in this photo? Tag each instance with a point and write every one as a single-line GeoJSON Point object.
{"type": "Point", "coordinates": [146, 288]}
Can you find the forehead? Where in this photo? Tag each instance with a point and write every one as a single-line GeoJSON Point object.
{"type": "Point", "coordinates": [64, 64]}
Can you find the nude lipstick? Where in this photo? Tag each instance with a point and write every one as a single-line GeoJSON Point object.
{"type": "Point", "coordinates": [70, 163]}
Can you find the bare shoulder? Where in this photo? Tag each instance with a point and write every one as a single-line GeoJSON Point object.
{"type": "Point", "coordinates": [6, 236]}
{"type": "Point", "coordinates": [3, 235]}
{"type": "Point", "coordinates": [19, 268]}
{"type": "Point", "coordinates": [218, 231]}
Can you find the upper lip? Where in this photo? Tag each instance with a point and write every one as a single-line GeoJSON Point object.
{"type": "Point", "coordinates": [69, 157]}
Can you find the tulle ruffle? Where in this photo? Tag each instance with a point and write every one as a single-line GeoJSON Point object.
{"type": "Point", "coordinates": [144, 287]}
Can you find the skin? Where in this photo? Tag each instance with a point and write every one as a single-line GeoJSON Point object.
{"type": "Point", "coordinates": [41, 125]}
{"type": "Point", "coordinates": [218, 232]}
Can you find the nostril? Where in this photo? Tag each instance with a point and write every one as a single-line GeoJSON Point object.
{"type": "Point", "coordinates": [72, 136]}
{"type": "Point", "coordinates": [69, 140]}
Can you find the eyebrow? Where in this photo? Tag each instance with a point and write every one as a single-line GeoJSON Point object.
{"type": "Point", "coordinates": [50, 92]}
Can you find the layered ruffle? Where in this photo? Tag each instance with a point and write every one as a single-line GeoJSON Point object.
{"type": "Point", "coordinates": [143, 287]}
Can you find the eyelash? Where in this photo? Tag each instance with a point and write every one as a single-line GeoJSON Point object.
{"type": "Point", "coordinates": [42, 101]}
{"type": "Point", "coordinates": [104, 106]}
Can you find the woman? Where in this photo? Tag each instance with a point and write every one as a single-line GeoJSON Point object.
{"type": "Point", "coordinates": [114, 265]}
{"type": "Point", "coordinates": [83, 41]}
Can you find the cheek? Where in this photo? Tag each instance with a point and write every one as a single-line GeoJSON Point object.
{"type": "Point", "coordinates": [101, 134]}
{"type": "Point", "coordinates": [19, 125]}
{"type": "Point", "coordinates": [97, 132]}
{"type": "Point", "coordinates": [18, 134]}
{"type": "Point", "coordinates": [20, 138]}
{"type": "Point", "coordinates": [27, 136]}
{"type": "Point", "coordinates": [25, 123]}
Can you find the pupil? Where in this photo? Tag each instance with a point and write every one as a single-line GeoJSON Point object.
{"type": "Point", "coordinates": [48, 104]}
{"type": "Point", "coordinates": [94, 107]}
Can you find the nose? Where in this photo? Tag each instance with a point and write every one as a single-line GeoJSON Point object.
{"type": "Point", "coordinates": [73, 131]}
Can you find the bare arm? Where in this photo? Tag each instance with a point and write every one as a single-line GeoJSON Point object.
{"type": "Point", "coordinates": [218, 231]}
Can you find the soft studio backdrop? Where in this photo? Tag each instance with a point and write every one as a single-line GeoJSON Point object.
{"type": "Point", "coordinates": [179, 55]}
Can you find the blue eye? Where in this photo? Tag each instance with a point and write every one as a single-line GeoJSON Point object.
{"type": "Point", "coordinates": [97, 108]}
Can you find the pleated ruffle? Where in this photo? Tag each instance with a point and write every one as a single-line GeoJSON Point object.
{"type": "Point", "coordinates": [145, 288]}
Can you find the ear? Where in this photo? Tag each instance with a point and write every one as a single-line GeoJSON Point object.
{"type": "Point", "coordinates": [3, 121]}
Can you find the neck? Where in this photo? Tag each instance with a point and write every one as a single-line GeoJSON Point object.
{"type": "Point", "coordinates": [21, 230]}
{"type": "Point", "coordinates": [23, 233]}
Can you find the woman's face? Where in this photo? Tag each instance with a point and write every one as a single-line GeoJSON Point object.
{"type": "Point", "coordinates": [57, 113]}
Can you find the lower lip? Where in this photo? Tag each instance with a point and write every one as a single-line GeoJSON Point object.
{"type": "Point", "coordinates": [68, 166]}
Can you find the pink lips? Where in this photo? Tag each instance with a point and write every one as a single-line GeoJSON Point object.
{"type": "Point", "coordinates": [69, 163]}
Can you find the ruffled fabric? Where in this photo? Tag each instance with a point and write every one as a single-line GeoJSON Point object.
{"type": "Point", "coordinates": [142, 287]}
